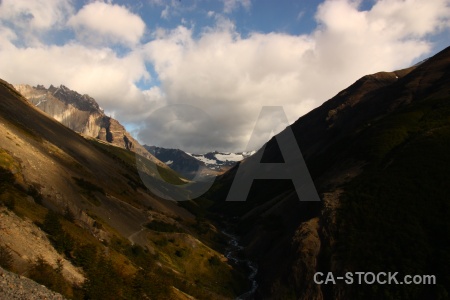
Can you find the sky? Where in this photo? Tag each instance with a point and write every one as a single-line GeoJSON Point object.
{"type": "Point", "coordinates": [194, 74]}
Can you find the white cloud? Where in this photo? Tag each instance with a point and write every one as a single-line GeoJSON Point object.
{"type": "Point", "coordinates": [100, 22]}
{"type": "Point", "coordinates": [300, 15]}
{"type": "Point", "coordinates": [174, 7]}
{"type": "Point", "coordinates": [231, 5]}
{"type": "Point", "coordinates": [226, 75]}
{"type": "Point", "coordinates": [32, 20]}
{"type": "Point", "coordinates": [6, 38]}
{"type": "Point", "coordinates": [231, 77]}
{"type": "Point", "coordinates": [35, 15]}
{"type": "Point", "coordinates": [404, 15]}
{"type": "Point", "coordinates": [165, 12]}
{"type": "Point", "coordinates": [98, 72]}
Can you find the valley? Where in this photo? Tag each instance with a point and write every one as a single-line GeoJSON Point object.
{"type": "Point", "coordinates": [85, 201]}
{"type": "Point", "coordinates": [84, 207]}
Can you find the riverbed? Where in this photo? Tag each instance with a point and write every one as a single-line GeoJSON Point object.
{"type": "Point", "coordinates": [232, 253]}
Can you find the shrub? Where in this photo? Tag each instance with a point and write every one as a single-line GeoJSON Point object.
{"type": "Point", "coordinates": [69, 215]}
{"type": "Point", "coordinates": [6, 178]}
{"type": "Point", "coordinates": [6, 259]}
{"type": "Point", "coordinates": [162, 227]}
{"type": "Point", "coordinates": [103, 281]}
{"type": "Point", "coordinates": [214, 261]}
{"type": "Point", "coordinates": [180, 252]}
{"type": "Point", "coordinates": [34, 192]}
{"type": "Point", "coordinates": [89, 189]}
{"type": "Point", "coordinates": [51, 224]}
{"type": "Point", "coordinates": [88, 186]}
{"type": "Point", "coordinates": [10, 203]}
{"type": "Point", "coordinates": [45, 274]}
{"type": "Point", "coordinates": [85, 255]}
{"type": "Point", "coordinates": [146, 285]}
{"type": "Point", "coordinates": [62, 241]}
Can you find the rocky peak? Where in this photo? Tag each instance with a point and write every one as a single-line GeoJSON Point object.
{"type": "Point", "coordinates": [82, 114]}
{"type": "Point", "coordinates": [82, 102]}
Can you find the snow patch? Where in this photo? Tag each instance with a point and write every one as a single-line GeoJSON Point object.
{"type": "Point", "coordinates": [205, 160]}
{"type": "Point", "coordinates": [40, 101]}
{"type": "Point", "coordinates": [221, 158]}
{"type": "Point", "coordinates": [248, 153]}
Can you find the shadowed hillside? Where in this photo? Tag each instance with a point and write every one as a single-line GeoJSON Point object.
{"type": "Point", "coordinates": [379, 153]}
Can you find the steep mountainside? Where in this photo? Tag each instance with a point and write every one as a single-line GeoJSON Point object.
{"type": "Point", "coordinates": [379, 154]}
{"type": "Point", "coordinates": [82, 114]}
{"type": "Point", "coordinates": [75, 217]}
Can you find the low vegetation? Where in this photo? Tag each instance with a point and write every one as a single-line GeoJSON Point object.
{"type": "Point", "coordinates": [89, 189]}
{"type": "Point", "coordinates": [52, 278]}
{"type": "Point", "coordinates": [162, 226]}
{"type": "Point", "coordinates": [6, 259]}
{"type": "Point", "coordinates": [394, 217]}
{"type": "Point", "coordinates": [118, 270]}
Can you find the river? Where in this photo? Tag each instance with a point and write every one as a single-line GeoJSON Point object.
{"type": "Point", "coordinates": [232, 254]}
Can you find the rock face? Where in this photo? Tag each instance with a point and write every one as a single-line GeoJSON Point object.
{"type": "Point", "coordinates": [82, 114]}
{"type": "Point", "coordinates": [78, 112]}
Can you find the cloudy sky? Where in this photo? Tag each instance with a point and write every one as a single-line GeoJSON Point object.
{"type": "Point", "coordinates": [194, 74]}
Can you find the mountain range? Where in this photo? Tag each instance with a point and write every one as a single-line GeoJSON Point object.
{"type": "Point", "coordinates": [205, 165]}
{"type": "Point", "coordinates": [77, 217]}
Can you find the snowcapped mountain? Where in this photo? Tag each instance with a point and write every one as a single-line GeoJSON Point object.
{"type": "Point", "coordinates": [219, 160]}
{"type": "Point", "coordinates": [188, 164]}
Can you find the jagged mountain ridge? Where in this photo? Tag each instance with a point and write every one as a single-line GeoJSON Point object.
{"type": "Point", "coordinates": [377, 153]}
{"type": "Point", "coordinates": [68, 96]}
{"type": "Point", "coordinates": [82, 114]}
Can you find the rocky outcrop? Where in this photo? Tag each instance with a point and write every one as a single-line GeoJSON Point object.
{"type": "Point", "coordinates": [82, 114]}
{"type": "Point", "coordinates": [78, 112]}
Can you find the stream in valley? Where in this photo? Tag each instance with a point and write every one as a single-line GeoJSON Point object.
{"type": "Point", "coordinates": [233, 253]}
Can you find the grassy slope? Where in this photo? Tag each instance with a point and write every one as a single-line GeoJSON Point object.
{"type": "Point", "coordinates": [99, 171]}
{"type": "Point", "coordinates": [186, 262]}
